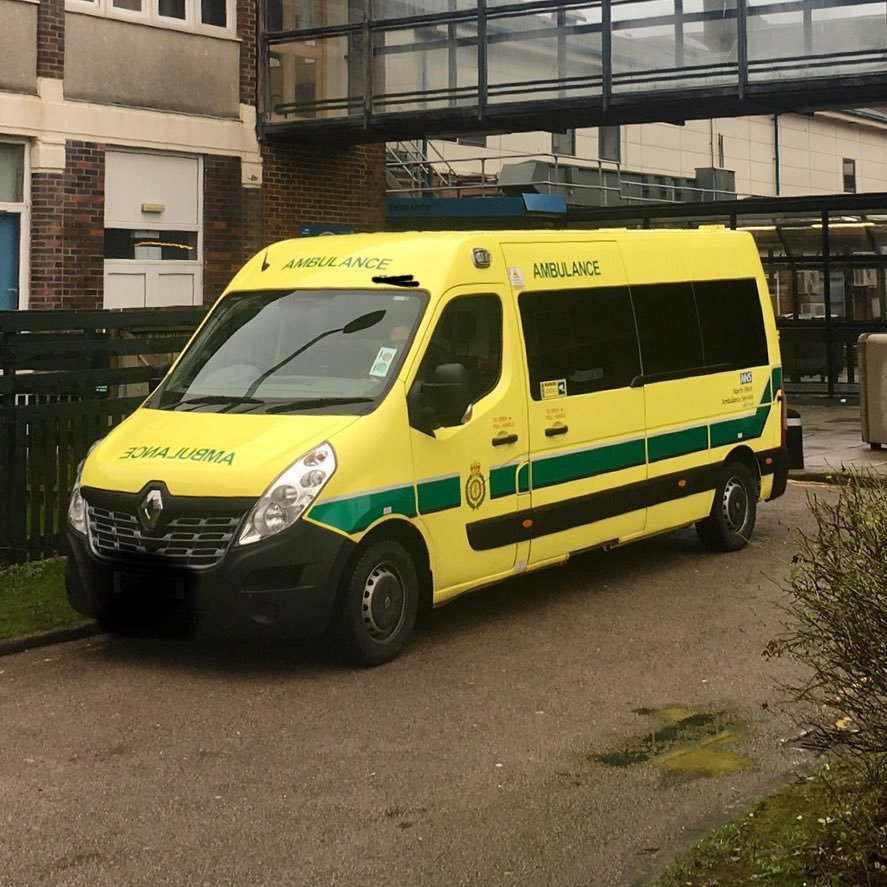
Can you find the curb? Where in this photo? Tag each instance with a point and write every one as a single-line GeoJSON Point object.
{"type": "Point", "coordinates": [818, 475]}
{"type": "Point", "coordinates": [83, 629]}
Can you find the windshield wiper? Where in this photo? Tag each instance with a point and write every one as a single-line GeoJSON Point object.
{"type": "Point", "coordinates": [311, 403]}
{"type": "Point", "coordinates": [364, 322]}
{"type": "Point", "coordinates": [232, 400]}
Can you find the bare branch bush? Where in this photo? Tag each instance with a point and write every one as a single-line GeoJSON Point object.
{"type": "Point", "coordinates": [838, 614]}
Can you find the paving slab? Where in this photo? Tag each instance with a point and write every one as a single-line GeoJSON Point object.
{"type": "Point", "coordinates": [832, 434]}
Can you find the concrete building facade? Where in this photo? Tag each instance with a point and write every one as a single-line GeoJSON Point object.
{"type": "Point", "coordinates": [789, 155]}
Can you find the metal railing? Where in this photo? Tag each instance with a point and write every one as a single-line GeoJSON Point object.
{"type": "Point", "coordinates": [391, 69]}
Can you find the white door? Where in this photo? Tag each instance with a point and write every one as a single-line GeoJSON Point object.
{"type": "Point", "coordinates": [153, 237]}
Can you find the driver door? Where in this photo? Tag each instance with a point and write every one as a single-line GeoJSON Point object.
{"type": "Point", "coordinates": [467, 475]}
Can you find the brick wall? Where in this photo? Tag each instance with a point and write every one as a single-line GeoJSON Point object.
{"type": "Point", "coordinates": [51, 38]}
{"type": "Point", "coordinates": [84, 225]}
{"type": "Point", "coordinates": [247, 33]}
{"type": "Point", "coordinates": [47, 240]}
{"type": "Point", "coordinates": [67, 231]}
{"type": "Point", "coordinates": [322, 184]}
{"type": "Point", "coordinates": [231, 225]}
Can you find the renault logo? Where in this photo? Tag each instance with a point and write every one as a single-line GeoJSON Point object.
{"type": "Point", "coordinates": [151, 509]}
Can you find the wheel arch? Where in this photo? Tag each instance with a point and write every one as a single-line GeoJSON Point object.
{"type": "Point", "coordinates": [406, 534]}
{"type": "Point", "coordinates": [746, 456]}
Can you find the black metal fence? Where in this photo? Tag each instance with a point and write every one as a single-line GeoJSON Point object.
{"type": "Point", "coordinates": [66, 379]}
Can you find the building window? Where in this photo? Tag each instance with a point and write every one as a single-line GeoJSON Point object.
{"type": "Point", "coordinates": [12, 172]}
{"type": "Point", "coordinates": [209, 16]}
{"type": "Point", "coordinates": [147, 245]}
{"type": "Point", "coordinates": [475, 140]}
{"type": "Point", "coordinates": [849, 169]}
{"type": "Point", "coordinates": [608, 143]}
{"type": "Point", "coordinates": [564, 142]}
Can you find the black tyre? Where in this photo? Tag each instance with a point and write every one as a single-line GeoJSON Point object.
{"type": "Point", "coordinates": [732, 520]}
{"type": "Point", "coordinates": [378, 602]}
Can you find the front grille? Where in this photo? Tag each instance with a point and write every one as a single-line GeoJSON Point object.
{"type": "Point", "coordinates": [184, 541]}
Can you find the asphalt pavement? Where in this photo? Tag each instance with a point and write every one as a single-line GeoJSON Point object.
{"type": "Point", "coordinates": [472, 759]}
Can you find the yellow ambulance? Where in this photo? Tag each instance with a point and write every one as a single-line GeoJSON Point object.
{"type": "Point", "coordinates": [367, 426]}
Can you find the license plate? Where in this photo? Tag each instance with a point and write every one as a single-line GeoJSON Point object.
{"type": "Point", "coordinates": [147, 586]}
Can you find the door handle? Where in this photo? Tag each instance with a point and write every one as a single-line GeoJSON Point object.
{"type": "Point", "coordinates": [558, 429]}
{"type": "Point", "coordinates": [505, 439]}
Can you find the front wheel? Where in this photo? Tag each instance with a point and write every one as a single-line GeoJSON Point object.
{"type": "Point", "coordinates": [378, 603]}
{"type": "Point", "coordinates": [732, 518]}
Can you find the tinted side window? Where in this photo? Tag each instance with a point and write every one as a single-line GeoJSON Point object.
{"type": "Point", "coordinates": [732, 323]}
{"type": "Point", "coordinates": [585, 337]}
{"type": "Point", "coordinates": [469, 332]}
{"type": "Point", "coordinates": [668, 327]}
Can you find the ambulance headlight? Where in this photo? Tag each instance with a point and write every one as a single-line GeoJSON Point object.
{"type": "Point", "coordinates": [77, 504]}
{"type": "Point", "coordinates": [291, 494]}
{"type": "Point", "coordinates": [77, 510]}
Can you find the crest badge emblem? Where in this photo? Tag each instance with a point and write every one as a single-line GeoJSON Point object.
{"type": "Point", "coordinates": [151, 509]}
{"type": "Point", "coordinates": [475, 487]}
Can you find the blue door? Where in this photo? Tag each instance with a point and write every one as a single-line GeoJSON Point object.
{"type": "Point", "coordinates": [9, 236]}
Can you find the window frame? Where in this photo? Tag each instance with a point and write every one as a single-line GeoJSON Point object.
{"type": "Point", "coordinates": [568, 147]}
{"type": "Point", "coordinates": [848, 175]}
{"type": "Point", "coordinates": [150, 15]}
{"type": "Point", "coordinates": [588, 292]}
{"type": "Point", "coordinates": [602, 140]}
{"type": "Point", "coordinates": [420, 359]}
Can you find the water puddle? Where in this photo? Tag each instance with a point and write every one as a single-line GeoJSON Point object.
{"type": "Point", "coordinates": [687, 744]}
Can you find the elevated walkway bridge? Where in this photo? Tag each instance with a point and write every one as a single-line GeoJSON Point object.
{"type": "Point", "coordinates": [383, 70]}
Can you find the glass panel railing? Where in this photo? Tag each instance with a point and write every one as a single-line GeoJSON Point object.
{"type": "Point", "coordinates": [299, 15]}
{"type": "Point", "coordinates": [800, 39]}
{"type": "Point", "coordinates": [425, 67]}
{"type": "Point", "coordinates": [660, 45]}
{"type": "Point", "coordinates": [551, 55]}
{"type": "Point", "coordinates": [312, 79]}
{"type": "Point", "coordinates": [384, 10]}
{"type": "Point", "coordinates": [427, 57]}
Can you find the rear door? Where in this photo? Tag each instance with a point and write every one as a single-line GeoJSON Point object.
{"type": "Point", "coordinates": [586, 421]}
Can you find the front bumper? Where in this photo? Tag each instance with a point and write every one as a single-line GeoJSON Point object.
{"type": "Point", "coordinates": [285, 585]}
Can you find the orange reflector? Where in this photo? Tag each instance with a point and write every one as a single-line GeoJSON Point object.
{"type": "Point", "coordinates": [527, 524]}
{"type": "Point", "coordinates": [682, 483]}
{"type": "Point", "coordinates": [769, 460]}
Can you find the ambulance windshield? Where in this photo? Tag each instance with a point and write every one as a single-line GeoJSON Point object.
{"type": "Point", "coordinates": [335, 351]}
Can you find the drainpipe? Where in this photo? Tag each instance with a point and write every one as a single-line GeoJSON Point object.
{"type": "Point", "coordinates": [776, 155]}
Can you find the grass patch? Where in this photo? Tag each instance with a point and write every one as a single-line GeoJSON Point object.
{"type": "Point", "coordinates": [32, 598]}
{"type": "Point", "coordinates": [829, 829]}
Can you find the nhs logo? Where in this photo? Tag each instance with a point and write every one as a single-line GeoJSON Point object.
{"type": "Point", "coordinates": [745, 378]}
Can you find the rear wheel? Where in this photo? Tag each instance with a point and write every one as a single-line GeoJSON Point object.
{"type": "Point", "coordinates": [378, 603]}
{"type": "Point", "coordinates": [732, 519]}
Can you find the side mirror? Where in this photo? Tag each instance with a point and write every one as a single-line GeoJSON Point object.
{"type": "Point", "coordinates": [158, 373]}
{"type": "Point", "coordinates": [448, 393]}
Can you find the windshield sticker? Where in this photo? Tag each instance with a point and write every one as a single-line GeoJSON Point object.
{"type": "Point", "coordinates": [377, 263]}
{"type": "Point", "coordinates": [576, 268]}
{"type": "Point", "coordinates": [553, 388]}
{"type": "Point", "coordinates": [193, 454]}
{"type": "Point", "coordinates": [383, 361]}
